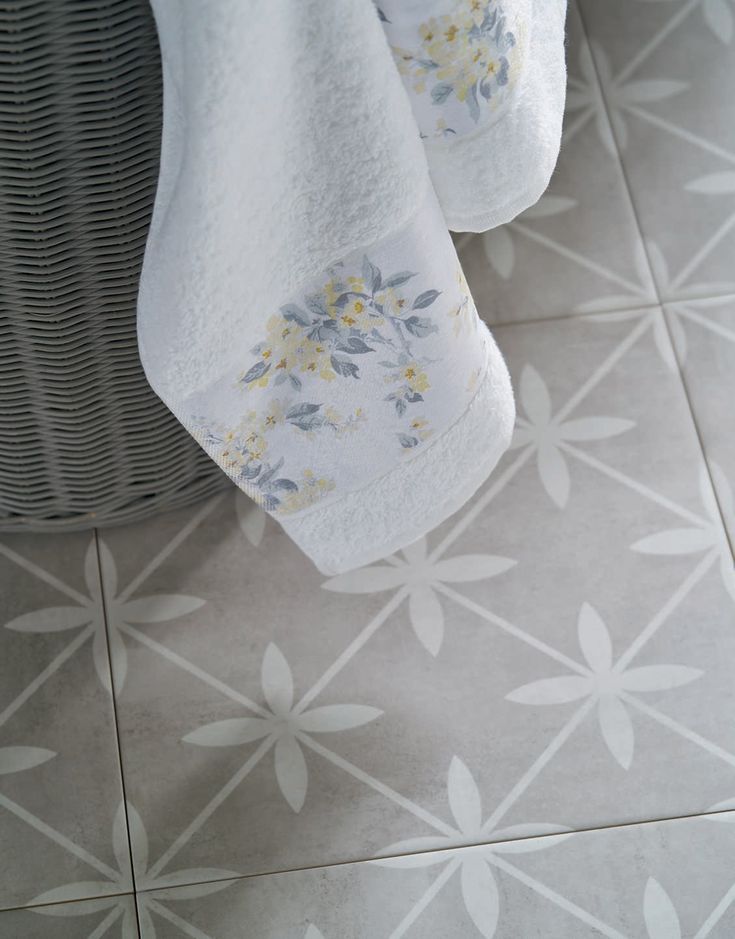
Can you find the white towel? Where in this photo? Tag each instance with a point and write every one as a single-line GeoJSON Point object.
{"type": "Point", "coordinates": [301, 310]}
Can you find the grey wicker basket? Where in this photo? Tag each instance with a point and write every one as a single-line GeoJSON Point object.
{"type": "Point", "coordinates": [83, 439]}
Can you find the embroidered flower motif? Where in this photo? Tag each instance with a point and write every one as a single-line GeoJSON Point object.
{"type": "Point", "coordinates": [463, 313]}
{"type": "Point", "coordinates": [323, 339]}
{"type": "Point", "coordinates": [325, 336]}
{"type": "Point", "coordinates": [357, 322]}
{"type": "Point", "coordinates": [243, 451]}
{"type": "Point", "coordinates": [417, 432]}
{"type": "Point", "coordinates": [463, 57]}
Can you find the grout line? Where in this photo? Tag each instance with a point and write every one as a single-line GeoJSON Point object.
{"type": "Point", "coordinates": [729, 538]}
{"type": "Point", "coordinates": [641, 308]}
{"type": "Point", "coordinates": [118, 744]}
{"type": "Point", "coordinates": [612, 826]}
{"type": "Point", "coordinates": [214, 803]}
{"type": "Point", "coordinates": [112, 897]}
{"type": "Point", "coordinates": [639, 227]}
{"type": "Point", "coordinates": [169, 547]}
{"type": "Point", "coordinates": [187, 928]}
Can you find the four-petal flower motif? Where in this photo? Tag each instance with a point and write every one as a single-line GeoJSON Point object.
{"type": "Point", "coordinates": [17, 759]}
{"type": "Point", "coordinates": [284, 726]}
{"type": "Point", "coordinates": [586, 96]}
{"type": "Point", "coordinates": [111, 894]}
{"type": "Point", "coordinates": [548, 433]}
{"type": "Point", "coordinates": [606, 683]}
{"type": "Point", "coordinates": [661, 919]}
{"type": "Point", "coordinates": [419, 573]}
{"type": "Point", "coordinates": [479, 888]}
{"type": "Point", "coordinates": [91, 613]}
{"type": "Point", "coordinates": [708, 537]}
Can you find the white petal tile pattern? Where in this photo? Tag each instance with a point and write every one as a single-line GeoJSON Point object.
{"type": "Point", "coordinates": [522, 724]}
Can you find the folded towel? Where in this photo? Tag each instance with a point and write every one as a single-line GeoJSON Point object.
{"type": "Point", "coordinates": [302, 310]}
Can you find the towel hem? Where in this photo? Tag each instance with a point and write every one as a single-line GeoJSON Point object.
{"type": "Point", "coordinates": [398, 508]}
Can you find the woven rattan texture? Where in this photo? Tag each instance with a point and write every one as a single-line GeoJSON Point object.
{"type": "Point", "coordinates": [83, 439]}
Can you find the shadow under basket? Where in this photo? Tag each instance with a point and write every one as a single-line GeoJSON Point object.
{"type": "Point", "coordinates": [84, 441]}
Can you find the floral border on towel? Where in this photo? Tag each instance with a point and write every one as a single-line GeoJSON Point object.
{"type": "Point", "coordinates": [459, 62]}
{"type": "Point", "coordinates": [325, 338]}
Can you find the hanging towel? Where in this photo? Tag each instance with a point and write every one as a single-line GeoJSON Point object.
{"type": "Point", "coordinates": [302, 310]}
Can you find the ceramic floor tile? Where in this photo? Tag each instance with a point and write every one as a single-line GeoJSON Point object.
{"type": "Point", "coordinates": [271, 719]}
{"type": "Point", "coordinates": [704, 333]}
{"type": "Point", "coordinates": [655, 881]}
{"type": "Point", "coordinates": [60, 788]}
{"type": "Point", "coordinates": [91, 919]}
{"type": "Point", "coordinates": [578, 248]}
{"type": "Point", "coordinates": [668, 73]}
{"type": "Point", "coordinates": [555, 658]}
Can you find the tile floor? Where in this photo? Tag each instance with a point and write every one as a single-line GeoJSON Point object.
{"type": "Point", "coordinates": [524, 726]}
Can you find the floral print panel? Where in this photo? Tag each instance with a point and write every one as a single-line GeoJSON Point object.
{"type": "Point", "coordinates": [352, 377]}
{"type": "Point", "coordinates": [458, 60]}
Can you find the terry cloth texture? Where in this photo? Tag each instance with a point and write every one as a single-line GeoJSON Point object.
{"type": "Point", "coordinates": [302, 310]}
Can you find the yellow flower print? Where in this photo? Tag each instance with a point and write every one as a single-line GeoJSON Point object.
{"type": "Point", "coordinates": [417, 432]}
{"type": "Point", "coordinates": [428, 30]}
{"type": "Point", "coordinates": [463, 57]}
{"type": "Point", "coordinates": [416, 378]}
{"type": "Point", "coordinates": [463, 312]}
{"type": "Point", "coordinates": [392, 302]}
{"type": "Point", "coordinates": [311, 490]}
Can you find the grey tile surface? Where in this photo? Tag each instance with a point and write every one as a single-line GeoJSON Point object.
{"type": "Point", "coordinates": [556, 658]}
{"type": "Point", "coordinates": [655, 881]}
{"type": "Point", "coordinates": [60, 787]}
{"type": "Point", "coordinates": [391, 672]}
{"type": "Point", "coordinates": [704, 334]}
{"type": "Point", "coordinates": [668, 76]}
{"type": "Point", "coordinates": [113, 919]}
